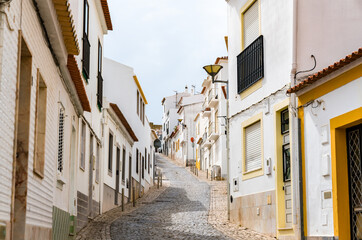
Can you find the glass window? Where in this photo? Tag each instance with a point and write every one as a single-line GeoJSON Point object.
{"type": "Point", "coordinates": [110, 152]}
{"type": "Point", "coordinates": [286, 162]}
{"type": "Point", "coordinates": [284, 121]}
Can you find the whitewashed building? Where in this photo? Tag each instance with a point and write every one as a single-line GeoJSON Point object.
{"type": "Point", "coordinates": [270, 48]}
{"type": "Point", "coordinates": [188, 106]}
{"type": "Point", "coordinates": [119, 139]}
{"type": "Point", "coordinates": [212, 148]}
{"type": "Point", "coordinates": [92, 22]}
{"type": "Point", "coordinates": [122, 87]}
{"type": "Point", "coordinates": [170, 119]}
{"type": "Point", "coordinates": [330, 112]}
{"type": "Point", "coordinates": [43, 94]}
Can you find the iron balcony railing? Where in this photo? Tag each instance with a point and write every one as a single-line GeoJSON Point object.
{"type": "Point", "coordinates": [250, 64]}
{"type": "Point", "coordinates": [86, 56]}
{"type": "Point", "coordinates": [100, 91]}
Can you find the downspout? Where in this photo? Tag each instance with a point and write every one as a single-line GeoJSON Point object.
{"type": "Point", "coordinates": [296, 130]}
{"type": "Point", "coordinates": [228, 151]}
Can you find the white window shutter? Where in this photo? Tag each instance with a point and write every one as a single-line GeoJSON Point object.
{"type": "Point", "coordinates": [253, 147]}
{"type": "Point", "coordinates": [251, 24]}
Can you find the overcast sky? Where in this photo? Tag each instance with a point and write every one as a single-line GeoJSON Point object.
{"type": "Point", "coordinates": [167, 42]}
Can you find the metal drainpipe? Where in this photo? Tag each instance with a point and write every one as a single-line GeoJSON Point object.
{"type": "Point", "coordinates": [296, 129]}
{"type": "Point", "coordinates": [228, 151]}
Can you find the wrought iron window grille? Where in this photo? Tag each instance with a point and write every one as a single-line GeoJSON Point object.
{"type": "Point", "coordinates": [250, 64]}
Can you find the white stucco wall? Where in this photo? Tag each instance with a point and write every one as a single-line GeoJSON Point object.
{"type": "Point", "coordinates": [120, 88]}
{"type": "Point", "coordinates": [96, 32]}
{"type": "Point", "coordinates": [276, 27]}
{"type": "Point", "coordinates": [316, 123]}
{"type": "Point", "coordinates": [122, 141]}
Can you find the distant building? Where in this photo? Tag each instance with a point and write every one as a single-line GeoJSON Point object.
{"type": "Point", "coordinates": [170, 118]}
{"type": "Point", "coordinates": [211, 124]}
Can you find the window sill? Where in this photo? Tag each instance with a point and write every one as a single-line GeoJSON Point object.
{"type": "Point", "coordinates": [253, 174]}
{"type": "Point", "coordinates": [110, 173]}
{"type": "Point", "coordinates": [257, 85]}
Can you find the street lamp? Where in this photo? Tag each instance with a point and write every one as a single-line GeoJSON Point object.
{"type": "Point", "coordinates": [213, 70]}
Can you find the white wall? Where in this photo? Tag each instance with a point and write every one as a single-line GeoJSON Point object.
{"type": "Point", "coordinates": [42, 193]}
{"type": "Point", "coordinates": [328, 30]}
{"type": "Point", "coordinates": [96, 32]}
{"type": "Point", "coordinates": [276, 27]}
{"type": "Point", "coordinates": [121, 141]}
{"type": "Point", "coordinates": [316, 122]}
{"type": "Point", "coordinates": [120, 88]}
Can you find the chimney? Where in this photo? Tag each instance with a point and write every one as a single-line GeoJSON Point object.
{"type": "Point", "coordinates": [186, 89]}
{"type": "Point", "coordinates": [192, 91]}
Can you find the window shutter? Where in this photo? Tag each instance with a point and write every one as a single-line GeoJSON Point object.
{"type": "Point", "coordinates": [253, 147]}
{"type": "Point", "coordinates": [251, 24]}
{"type": "Point", "coordinates": [61, 140]}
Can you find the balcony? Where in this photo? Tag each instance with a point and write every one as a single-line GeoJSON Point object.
{"type": "Point", "coordinates": [250, 65]}
{"type": "Point", "coordinates": [207, 112]}
{"type": "Point", "coordinates": [206, 143]}
{"type": "Point", "coordinates": [212, 98]}
{"type": "Point", "coordinates": [213, 131]}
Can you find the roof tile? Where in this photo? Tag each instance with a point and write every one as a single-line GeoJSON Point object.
{"type": "Point", "coordinates": [328, 70]}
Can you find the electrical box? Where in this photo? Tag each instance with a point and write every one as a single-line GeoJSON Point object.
{"type": "Point", "coordinates": [268, 166]}
{"type": "Point", "coordinates": [324, 135]}
{"type": "Point", "coordinates": [325, 165]}
{"type": "Point", "coordinates": [236, 184]}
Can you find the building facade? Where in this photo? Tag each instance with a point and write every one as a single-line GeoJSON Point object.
{"type": "Point", "coordinates": [44, 96]}
{"type": "Point", "coordinates": [330, 113]}
{"type": "Point", "coordinates": [125, 88]}
{"type": "Point", "coordinates": [267, 175]}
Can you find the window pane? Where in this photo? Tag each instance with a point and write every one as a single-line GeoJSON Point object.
{"type": "Point", "coordinates": [110, 152]}
{"type": "Point", "coordinates": [86, 17]}
{"type": "Point", "coordinates": [286, 163]}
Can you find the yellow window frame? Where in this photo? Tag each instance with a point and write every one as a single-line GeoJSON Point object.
{"type": "Point", "coordinates": [260, 171]}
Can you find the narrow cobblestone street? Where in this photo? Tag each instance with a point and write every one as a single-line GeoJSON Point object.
{"type": "Point", "coordinates": [185, 207]}
{"type": "Point", "coordinates": [180, 212]}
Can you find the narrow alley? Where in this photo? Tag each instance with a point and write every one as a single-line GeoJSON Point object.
{"type": "Point", "coordinates": [180, 209]}
{"type": "Point", "coordinates": [181, 212]}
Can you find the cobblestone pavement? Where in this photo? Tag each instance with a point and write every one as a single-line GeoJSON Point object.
{"type": "Point", "coordinates": [99, 228]}
{"type": "Point", "coordinates": [186, 207]}
{"type": "Point", "coordinates": [218, 216]}
{"type": "Point", "coordinates": [180, 212]}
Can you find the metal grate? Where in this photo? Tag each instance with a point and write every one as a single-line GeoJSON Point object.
{"type": "Point", "coordinates": [250, 64]}
{"type": "Point", "coordinates": [86, 56]}
{"type": "Point", "coordinates": [60, 139]}
{"type": "Point", "coordinates": [100, 91]}
{"type": "Point", "coordinates": [355, 178]}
